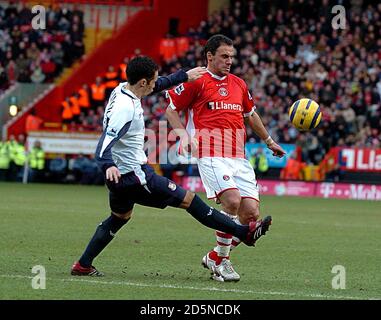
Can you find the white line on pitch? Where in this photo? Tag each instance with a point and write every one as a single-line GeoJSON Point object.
{"type": "Point", "coordinates": [169, 286]}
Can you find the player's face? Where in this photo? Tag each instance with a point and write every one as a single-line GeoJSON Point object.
{"type": "Point", "coordinates": [221, 62]}
{"type": "Point", "coordinates": [151, 84]}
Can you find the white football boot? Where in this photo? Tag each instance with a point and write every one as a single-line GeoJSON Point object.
{"type": "Point", "coordinates": [223, 272]}
{"type": "Point", "coordinates": [207, 262]}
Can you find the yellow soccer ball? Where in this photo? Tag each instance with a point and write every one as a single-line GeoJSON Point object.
{"type": "Point", "coordinates": [305, 114]}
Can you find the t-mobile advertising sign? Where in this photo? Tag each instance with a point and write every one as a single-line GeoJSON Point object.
{"type": "Point", "coordinates": [305, 189]}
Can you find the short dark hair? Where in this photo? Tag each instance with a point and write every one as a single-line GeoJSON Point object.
{"type": "Point", "coordinates": [141, 68]}
{"type": "Point", "coordinates": [215, 42]}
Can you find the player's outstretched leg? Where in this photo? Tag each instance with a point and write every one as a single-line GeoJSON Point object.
{"type": "Point", "coordinates": [103, 235]}
{"type": "Point", "coordinates": [214, 219]}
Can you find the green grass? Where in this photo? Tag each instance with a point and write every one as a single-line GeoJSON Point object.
{"type": "Point", "coordinates": [157, 254]}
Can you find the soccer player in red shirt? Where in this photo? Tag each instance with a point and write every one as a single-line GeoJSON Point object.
{"type": "Point", "coordinates": [217, 107]}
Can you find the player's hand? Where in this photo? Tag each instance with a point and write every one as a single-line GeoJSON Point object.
{"type": "Point", "coordinates": [277, 150]}
{"type": "Point", "coordinates": [195, 73]}
{"type": "Point", "coordinates": [189, 145]}
{"type": "Point", "coordinates": [113, 174]}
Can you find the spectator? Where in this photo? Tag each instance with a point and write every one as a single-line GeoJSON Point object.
{"type": "Point", "coordinates": [33, 53]}
{"type": "Point", "coordinates": [123, 67]}
{"type": "Point", "coordinates": [3, 78]}
{"type": "Point", "coordinates": [167, 48]}
{"type": "Point", "coordinates": [37, 75]}
{"type": "Point", "coordinates": [58, 169]}
{"type": "Point", "coordinates": [48, 67]}
{"type": "Point", "coordinates": [111, 80]}
{"type": "Point", "coordinates": [32, 122]}
{"type": "Point", "coordinates": [259, 162]}
{"type": "Point", "coordinates": [86, 170]}
{"type": "Point", "coordinates": [57, 57]}
{"type": "Point", "coordinates": [98, 93]}
{"type": "Point", "coordinates": [22, 64]}
{"type": "Point", "coordinates": [36, 159]}
{"type": "Point", "coordinates": [83, 99]}
{"type": "Point", "coordinates": [12, 72]}
{"type": "Point", "coordinates": [67, 113]}
{"type": "Point", "coordinates": [76, 36]}
{"type": "Point", "coordinates": [293, 169]}
{"type": "Point", "coordinates": [17, 157]}
{"type": "Point", "coordinates": [4, 160]}
{"type": "Point", "coordinates": [75, 107]}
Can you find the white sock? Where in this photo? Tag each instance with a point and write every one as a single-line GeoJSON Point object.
{"type": "Point", "coordinates": [224, 241]}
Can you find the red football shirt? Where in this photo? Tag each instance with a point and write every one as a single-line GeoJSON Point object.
{"type": "Point", "coordinates": [216, 107]}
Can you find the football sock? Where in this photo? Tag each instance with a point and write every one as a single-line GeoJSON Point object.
{"type": "Point", "coordinates": [223, 239]}
{"type": "Point", "coordinates": [104, 233]}
{"type": "Point", "coordinates": [222, 249]}
{"type": "Point", "coordinates": [214, 219]}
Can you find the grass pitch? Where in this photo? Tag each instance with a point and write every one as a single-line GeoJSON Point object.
{"type": "Point", "coordinates": [157, 254]}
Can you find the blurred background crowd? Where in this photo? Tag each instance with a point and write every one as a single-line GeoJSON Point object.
{"type": "Point", "coordinates": [36, 55]}
{"type": "Point", "coordinates": [285, 50]}
{"type": "Point", "coordinates": [288, 52]}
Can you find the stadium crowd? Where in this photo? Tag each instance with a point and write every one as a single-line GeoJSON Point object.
{"type": "Point", "coordinates": [289, 50]}
{"type": "Point", "coordinates": [29, 55]}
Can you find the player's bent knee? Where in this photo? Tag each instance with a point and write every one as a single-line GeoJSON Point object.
{"type": "Point", "coordinates": [231, 201]}
{"type": "Point", "coordinates": [124, 216]}
{"type": "Point", "coordinates": [232, 205]}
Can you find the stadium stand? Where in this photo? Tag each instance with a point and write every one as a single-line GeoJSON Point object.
{"type": "Point", "coordinates": [286, 53]}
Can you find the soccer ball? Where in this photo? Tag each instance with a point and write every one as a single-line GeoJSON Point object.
{"type": "Point", "coordinates": [305, 114]}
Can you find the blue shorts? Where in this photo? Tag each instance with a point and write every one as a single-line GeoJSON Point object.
{"type": "Point", "coordinates": [159, 192]}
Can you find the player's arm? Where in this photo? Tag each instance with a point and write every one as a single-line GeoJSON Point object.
{"type": "Point", "coordinates": [189, 144]}
{"type": "Point", "coordinates": [175, 121]}
{"type": "Point", "coordinates": [178, 77]}
{"type": "Point", "coordinates": [179, 99]}
{"type": "Point", "coordinates": [255, 122]}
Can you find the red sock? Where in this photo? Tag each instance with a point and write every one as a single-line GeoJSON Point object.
{"type": "Point", "coordinates": [213, 255]}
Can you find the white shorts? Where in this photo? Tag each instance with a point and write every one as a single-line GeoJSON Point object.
{"type": "Point", "coordinates": [220, 174]}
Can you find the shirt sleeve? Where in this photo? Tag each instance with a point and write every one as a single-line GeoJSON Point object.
{"type": "Point", "coordinates": [248, 103]}
{"type": "Point", "coordinates": [163, 83]}
{"type": "Point", "coordinates": [181, 97]}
